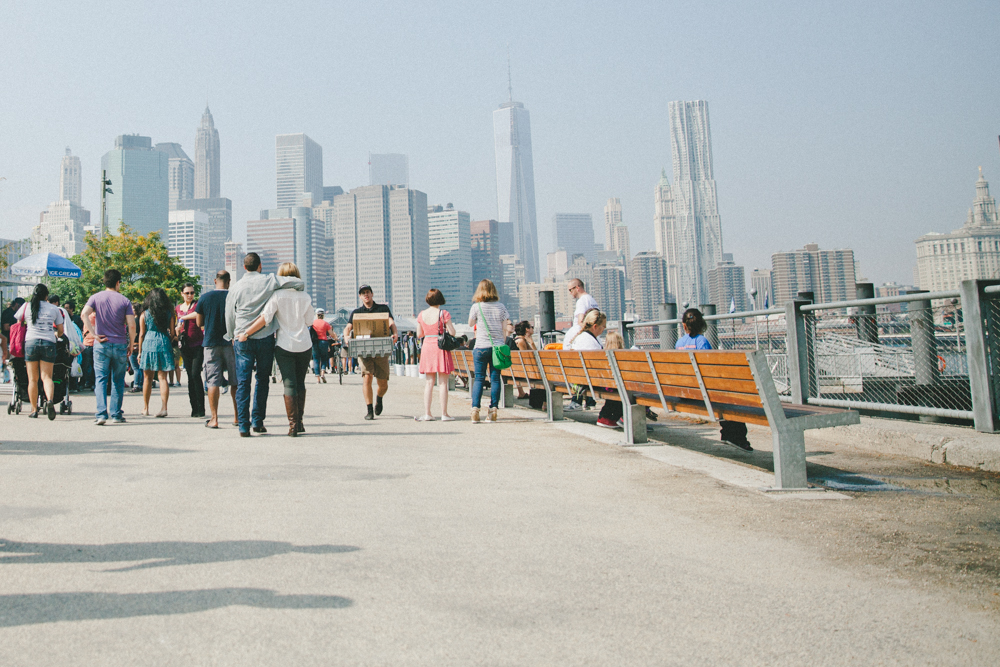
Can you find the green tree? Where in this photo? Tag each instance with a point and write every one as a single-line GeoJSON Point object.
{"type": "Point", "coordinates": [143, 261]}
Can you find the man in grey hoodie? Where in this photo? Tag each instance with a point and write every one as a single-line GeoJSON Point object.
{"type": "Point", "coordinates": [244, 304]}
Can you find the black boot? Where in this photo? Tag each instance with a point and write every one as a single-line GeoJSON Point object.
{"type": "Point", "coordinates": [300, 405]}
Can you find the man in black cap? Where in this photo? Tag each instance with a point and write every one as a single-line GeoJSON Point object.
{"type": "Point", "coordinates": [372, 366]}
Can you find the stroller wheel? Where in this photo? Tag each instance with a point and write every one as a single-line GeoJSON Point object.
{"type": "Point", "coordinates": [69, 408]}
{"type": "Point", "coordinates": [10, 408]}
{"type": "Point", "coordinates": [17, 407]}
{"type": "Point", "coordinates": [62, 408]}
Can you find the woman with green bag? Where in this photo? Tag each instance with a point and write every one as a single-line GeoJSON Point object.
{"type": "Point", "coordinates": [490, 319]}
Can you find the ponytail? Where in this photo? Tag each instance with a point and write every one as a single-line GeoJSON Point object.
{"type": "Point", "coordinates": [40, 294]}
{"type": "Point", "coordinates": [592, 318]}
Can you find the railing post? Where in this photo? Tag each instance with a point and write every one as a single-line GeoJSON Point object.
{"type": "Point", "coordinates": [867, 324]}
{"type": "Point", "coordinates": [798, 346]}
{"type": "Point", "coordinates": [712, 333]}
{"type": "Point", "coordinates": [924, 345]}
{"type": "Point", "coordinates": [628, 334]}
{"type": "Point", "coordinates": [983, 353]}
{"type": "Point", "coordinates": [668, 332]}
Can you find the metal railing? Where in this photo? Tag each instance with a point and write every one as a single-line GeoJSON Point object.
{"type": "Point", "coordinates": [933, 354]}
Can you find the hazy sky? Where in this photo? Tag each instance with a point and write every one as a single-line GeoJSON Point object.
{"type": "Point", "coordinates": [851, 124]}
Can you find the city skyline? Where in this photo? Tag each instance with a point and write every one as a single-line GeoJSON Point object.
{"type": "Point", "coordinates": [868, 110]}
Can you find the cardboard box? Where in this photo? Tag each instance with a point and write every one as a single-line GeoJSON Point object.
{"type": "Point", "coordinates": [375, 325]}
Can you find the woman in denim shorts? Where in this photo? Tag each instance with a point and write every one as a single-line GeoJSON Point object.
{"type": "Point", "coordinates": [44, 327]}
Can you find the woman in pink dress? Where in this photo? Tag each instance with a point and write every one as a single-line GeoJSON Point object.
{"type": "Point", "coordinates": [435, 364]}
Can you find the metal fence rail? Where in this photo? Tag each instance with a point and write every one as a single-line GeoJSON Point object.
{"type": "Point", "coordinates": [912, 354]}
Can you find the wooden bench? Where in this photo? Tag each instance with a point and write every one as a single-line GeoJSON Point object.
{"type": "Point", "coordinates": [590, 369]}
{"type": "Point", "coordinates": [720, 385]}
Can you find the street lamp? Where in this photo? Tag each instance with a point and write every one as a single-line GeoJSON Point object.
{"type": "Point", "coordinates": [105, 190]}
{"type": "Point", "coordinates": [756, 338]}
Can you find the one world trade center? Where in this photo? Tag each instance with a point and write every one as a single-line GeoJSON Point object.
{"type": "Point", "coordinates": [516, 182]}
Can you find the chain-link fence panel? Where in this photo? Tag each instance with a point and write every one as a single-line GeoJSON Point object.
{"type": "Point", "coordinates": [915, 358]}
{"type": "Point", "coordinates": [991, 329]}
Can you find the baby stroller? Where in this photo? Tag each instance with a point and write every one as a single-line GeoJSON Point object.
{"type": "Point", "coordinates": [60, 378]}
{"type": "Point", "coordinates": [19, 389]}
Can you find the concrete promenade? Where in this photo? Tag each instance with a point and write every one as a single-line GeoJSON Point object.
{"type": "Point", "coordinates": [161, 542]}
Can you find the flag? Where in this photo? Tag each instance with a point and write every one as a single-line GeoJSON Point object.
{"type": "Point", "coordinates": [732, 305]}
{"type": "Point", "coordinates": [767, 298]}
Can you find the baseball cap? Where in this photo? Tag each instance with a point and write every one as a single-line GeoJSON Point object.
{"type": "Point", "coordinates": [319, 311]}
{"type": "Point", "coordinates": [365, 287]}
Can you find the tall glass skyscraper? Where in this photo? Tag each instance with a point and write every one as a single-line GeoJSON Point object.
{"type": "Point", "coordinates": [299, 163]}
{"type": "Point", "coordinates": [688, 227]}
{"type": "Point", "coordinates": [181, 177]}
{"type": "Point", "coordinates": [70, 179]}
{"type": "Point", "coordinates": [450, 251]}
{"type": "Point", "coordinates": [516, 182]}
{"type": "Point", "coordinates": [206, 159]}
{"type": "Point", "coordinates": [139, 183]}
{"type": "Point", "coordinates": [574, 234]}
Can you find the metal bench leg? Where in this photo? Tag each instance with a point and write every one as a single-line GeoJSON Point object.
{"type": "Point", "coordinates": [555, 401]}
{"type": "Point", "coordinates": [789, 457]}
{"type": "Point", "coordinates": [451, 383]}
{"type": "Point", "coordinates": [507, 397]}
{"type": "Point", "coordinates": [638, 425]}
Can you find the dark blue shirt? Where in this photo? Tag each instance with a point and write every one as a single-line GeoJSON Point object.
{"type": "Point", "coordinates": [212, 306]}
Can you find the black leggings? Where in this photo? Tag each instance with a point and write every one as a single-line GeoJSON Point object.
{"type": "Point", "coordinates": [293, 366]}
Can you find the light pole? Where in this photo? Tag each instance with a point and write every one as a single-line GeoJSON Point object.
{"type": "Point", "coordinates": [105, 190]}
{"type": "Point", "coordinates": [756, 338]}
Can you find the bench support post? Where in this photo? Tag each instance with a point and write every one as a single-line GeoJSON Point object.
{"type": "Point", "coordinates": [789, 456]}
{"type": "Point", "coordinates": [553, 399]}
{"type": "Point", "coordinates": [636, 423]}
{"type": "Point", "coordinates": [507, 397]}
{"type": "Point", "coordinates": [451, 383]}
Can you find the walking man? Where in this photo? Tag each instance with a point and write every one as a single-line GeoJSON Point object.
{"type": "Point", "coordinates": [220, 359]}
{"type": "Point", "coordinates": [113, 332]}
{"type": "Point", "coordinates": [255, 357]}
{"type": "Point", "coordinates": [584, 302]}
{"type": "Point", "coordinates": [372, 366]}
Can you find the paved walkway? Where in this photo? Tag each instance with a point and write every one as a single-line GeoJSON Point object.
{"type": "Point", "coordinates": [395, 542]}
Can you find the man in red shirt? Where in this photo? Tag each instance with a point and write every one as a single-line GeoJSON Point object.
{"type": "Point", "coordinates": [321, 345]}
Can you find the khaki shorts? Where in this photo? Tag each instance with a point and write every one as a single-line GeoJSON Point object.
{"type": "Point", "coordinates": [377, 366]}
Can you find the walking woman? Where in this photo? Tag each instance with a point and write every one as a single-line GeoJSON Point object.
{"type": "Point", "coordinates": [293, 348]}
{"type": "Point", "coordinates": [435, 363]}
{"type": "Point", "coordinates": [189, 337]}
{"type": "Point", "coordinates": [44, 324]}
{"type": "Point", "coordinates": [490, 319]}
{"type": "Point", "coordinates": [156, 347]}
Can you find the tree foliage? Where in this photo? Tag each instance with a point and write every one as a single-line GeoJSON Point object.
{"type": "Point", "coordinates": [143, 261]}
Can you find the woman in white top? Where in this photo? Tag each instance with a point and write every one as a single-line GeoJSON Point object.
{"type": "Point", "coordinates": [491, 319]}
{"type": "Point", "coordinates": [594, 323]}
{"type": "Point", "coordinates": [293, 347]}
{"type": "Point", "coordinates": [44, 324]}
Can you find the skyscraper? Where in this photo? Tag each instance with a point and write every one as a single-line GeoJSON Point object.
{"type": "Point", "coordinates": [665, 231]}
{"type": "Point", "coordinates": [292, 235]}
{"type": "Point", "coordinates": [206, 159]}
{"type": "Point", "coordinates": [299, 169]}
{"type": "Point", "coordinates": [516, 181]}
{"type": "Point", "coordinates": [234, 260]}
{"type": "Point", "coordinates": [760, 280]}
{"type": "Point", "coordinates": [828, 274]}
{"type": "Point", "coordinates": [574, 234]}
{"type": "Point", "coordinates": [70, 179]}
{"type": "Point", "coordinates": [693, 233]}
{"type": "Point", "coordinates": [727, 285]}
{"type": "Point", "coordinates": [388, 169]}
{"type": "Point", "coordinates": [612, 218]}
{"type": "Point", "coordinates": [187, 240]}
{"type": "Point", "coordinates": [649, 285]}
{"type": "Point", "coordinates": [486, 253]}
{"type": "Point", "coordinates": [609, 290]}
{"type": "Point", "coordinates": [450, 252]}
{"type": "Point", "coordinates": [381, 239]}
{"type": "Point", "coordinates": [220, 226]}
{"type": "Point", "coordinates": [181, 173]}
{"type": "Point", "coordinates": [140, 185]}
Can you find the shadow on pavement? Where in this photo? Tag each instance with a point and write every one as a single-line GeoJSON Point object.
{"type": "Point", "coordinates": [31, 609]}
{"type": "Point", "coordinates": [160, 554]}
{"type": "Point", "coordinates": [50, 448]}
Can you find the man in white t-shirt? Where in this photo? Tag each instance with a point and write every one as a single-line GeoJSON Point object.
{"type": "Point", "coordinates": [584, 302]}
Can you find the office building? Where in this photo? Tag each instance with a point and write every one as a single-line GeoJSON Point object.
{"type": "Point", "coordinates": [516, 182]}
{"type": "Point", "coordinates": [220, 226]}
{"type": "Point", "coordinates": [14, 250]}
{"type": "Point", "coordinates": [828, 274]}
{"type": "Point", "coordinates": [71, 179]}
{"type": "Point", "coordinates": [760, 282]}
{"type": "Point", "coordinates": [727, 286]}
{"type": "Point", "coordinates": [139, 176]}
{"type": "Point", "coordinates": [299, 169]}
{"type": "Point", "coordinates": [575, 234]}
{"type": "Point", "coordinates": [207, 184]}
{"type": "Point", "coordinates": [292, 235]}
{"type": "Point", "coordinates": [180, 173]}
{"type": "Point", "coordinates": [187, 240]}
{"type": "Point", "coordinates": [511, 281]}
{"type": "Point", "coordinates": [582, 270]}
{"type": "Point", "coordinates": [562, 301]}
{"type": "Point", "coordinates": [557, 264]}
{"type": "Point", "coordinates": [688, 228]}
{"type": "Point", "coordinates": [649, 285]}
{"type": "Point", "coordinates": [331, 191]}
{"type": "Point", "coordinates": [485, 237]}
{"type": "Point", "coordinates": [388, 169]}
{"type": "Point", "coordinates": [381, 239]}
{"type": "Point", "coordinates": [612, 218]}
{"type": "Point", "coordinates": [609, 290]}
{"type": "Point", "coordinates": [61, 229]}
{"type": "Point", "coordinates": [234, 260]}
{"type": "Point", "coordinates": [969, 253]}
{"type": "Point", "coordinates": [450, 252]}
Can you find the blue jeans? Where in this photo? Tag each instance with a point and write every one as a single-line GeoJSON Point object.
{"type": "Point", "coordinates": [137, 377]}
{"type": "Point", "coordinates": [109, 367]}
{"type": "Point", "coordinates": [321, 356]}
{"type": "Point", "coordinates": [482, 357]}
{"type": "Point", "coordinates": [257, 352]}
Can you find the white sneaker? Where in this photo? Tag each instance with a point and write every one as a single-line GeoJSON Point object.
{"type": "Point", "coordinates": [447, 418]}
{"type": "Point", "coordinates": [100, 421]}
{"type": "Point", "coordinates": [425, 418]}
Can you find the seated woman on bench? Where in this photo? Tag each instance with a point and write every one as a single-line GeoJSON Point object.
{"type": "Point", "coordinates": [733, 432]}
